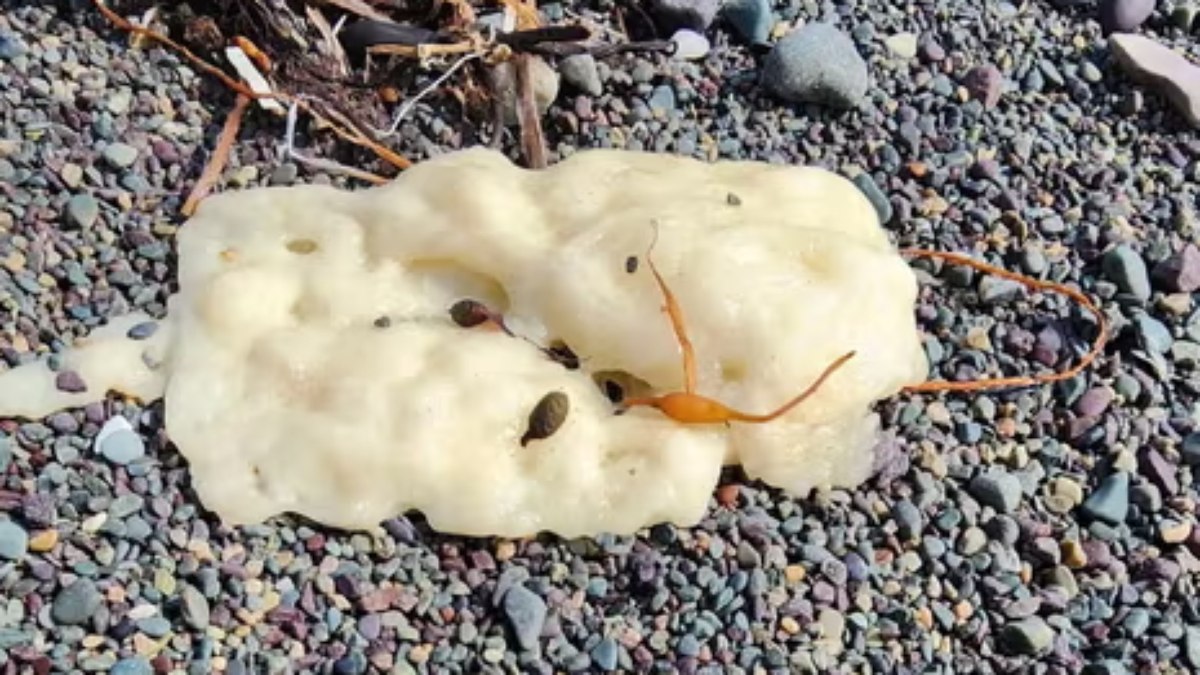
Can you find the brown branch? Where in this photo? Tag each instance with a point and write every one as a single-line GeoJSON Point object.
{"type": "Point", "coordinates": [220, 156]}
{"type": "Point", "coordinates": [533, 143]}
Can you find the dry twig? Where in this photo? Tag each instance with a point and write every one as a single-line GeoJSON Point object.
{"type": "Point", "coordinates": [354, 135]}
{"type": "Point", "coordinates": [220, 156]}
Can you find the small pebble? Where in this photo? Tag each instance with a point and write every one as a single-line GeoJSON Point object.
{"type": "Point", "coordinates": [526, 614]}
{"type": "Point", "coordinates": [1030, 636]}
{"type": "Point", "coordinates": [997, 489]}
{"type": "Point", "coordinates": [14, 541]}
{"type": "Point", "coordinates": [1110, 502]}
{"type": "Point", "coordinates": [76, 603]}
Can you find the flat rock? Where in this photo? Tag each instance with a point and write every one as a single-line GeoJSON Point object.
{"type": "Point", "coordinates": [1162, 68]}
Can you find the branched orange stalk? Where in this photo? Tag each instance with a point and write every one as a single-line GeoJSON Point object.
{"type": "Point", "coordinates": [1101, 339]}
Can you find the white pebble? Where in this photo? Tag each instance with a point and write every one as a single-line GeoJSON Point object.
{"type": "Point", "coordinates": [689, 45]}
{"type": "Point", "coordinates": [118, 443]}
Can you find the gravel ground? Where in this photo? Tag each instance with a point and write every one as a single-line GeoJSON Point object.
{"type": "Point", "coordinates": [1045, 531]}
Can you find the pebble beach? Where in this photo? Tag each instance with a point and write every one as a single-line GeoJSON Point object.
{"type": "Point", "coordinates": [1049, 529]}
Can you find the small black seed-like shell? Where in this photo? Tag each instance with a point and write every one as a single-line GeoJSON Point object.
{"type": "Point", "coordinates": [469, 313]}
{"type": "Point", "coordinates": [547, 416]}
{"type": "Point", "coordinates": [631, 264]}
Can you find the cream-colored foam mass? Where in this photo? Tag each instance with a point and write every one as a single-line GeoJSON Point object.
{"type": "Point", "coordinates": [310, 364]}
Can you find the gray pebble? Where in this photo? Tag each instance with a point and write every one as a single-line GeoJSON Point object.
{"type": "Point", "coordinates": [909, 521]}
{"type": "Point", "coordinates": [1126, 268]}
{"type": "Point", "coordinates": [82, 210]}
{"type": "Point", "coordinates": [605, 654]}
{"type": "Point", "coordinates": [1189, 449]}
{"type": "Point", "coordinates": [1110, 502]}
{"type": "Point", "coordinates": [1123, 16]}
{"type": "Point", "coordinates": [751, 19]}
{"type": "Point", "coordinates": [69, 381]}
{"type": "Point", "coordinates": [995, 290]}
{"type": "Point", "coordinates": [870, 190]}
{"type": "Point", "coordinates": [997, 489]}
{"type": "Point", "coordinates": [75, 604]}
{"type": "Point", "coordinates": [526, 613]}
{"type": "Point", "coordinates": [120, 155]}
{"type": "Point", "coordinates": [1152, 334]}
{"type": "Point", "coordinates": [122, 447]}
{"type": "Point", "coordinates": [694, 15]}
{"type": "Point", "coordinates": [580, 72]}
{"type": "Point", "coordinates": [133, 665]}
{"type": "Point", "coordinates": [1030, 636]}
{"type": "Point", "coordinates": [1191, 648]}
{"type": "Point", "coordinates": [817, 63]}
{"type": "Point", "coordinates": [1106, 667]}
{"type": "Point", "coordinates": [143, 330]}
{"type": "Point", "coordinates": [194, 607]}
{"type": "Point", "coordinates": [154, 626]}
{"type": "Point", "coordinates": [14, 541]}
{"type": "Point", "coordinates": [662, 99]}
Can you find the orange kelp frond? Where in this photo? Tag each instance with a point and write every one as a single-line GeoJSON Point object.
{"type": "Point", "coordinates": [1098, 344]}
{"type": "Point", "coordinates": [692, 408]}
{"type": "Point", "coordinates": [677, 323]}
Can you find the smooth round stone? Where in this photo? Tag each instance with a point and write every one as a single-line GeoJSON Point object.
{"type": "Point", "coordinates": [120, 445]}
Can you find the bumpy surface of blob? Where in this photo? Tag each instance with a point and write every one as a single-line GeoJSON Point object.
{"type": "Point", "coordinates": [286, 394]}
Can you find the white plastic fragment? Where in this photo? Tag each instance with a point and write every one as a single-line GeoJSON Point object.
{"type": "Point", "coordinates": [312, 366]}
{"type": "Point", "coordinates": [252, 77]}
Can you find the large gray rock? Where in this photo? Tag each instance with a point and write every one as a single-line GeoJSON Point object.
{"type": "Point", "coordinates": [1124, 15]}
{"type": "Point", "coordinates": [1162, 68]}
{"type": "Point", "coordinates": [817, 63]}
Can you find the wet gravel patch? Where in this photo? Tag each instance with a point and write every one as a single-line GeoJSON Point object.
{"type": "Point", "coordinates": [1042, 530]}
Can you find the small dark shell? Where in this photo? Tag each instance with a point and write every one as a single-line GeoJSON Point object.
{"type": "Point", "coordinates": [547, 416]}
{"type": "Point", "coordinates": [563, 355]}
{"type": "Point", "coordinates": [733, 200]}
{"type": "Point", "coordinates": [469, 313]}
{"type": "Point", "coordinates": [631, 264]}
